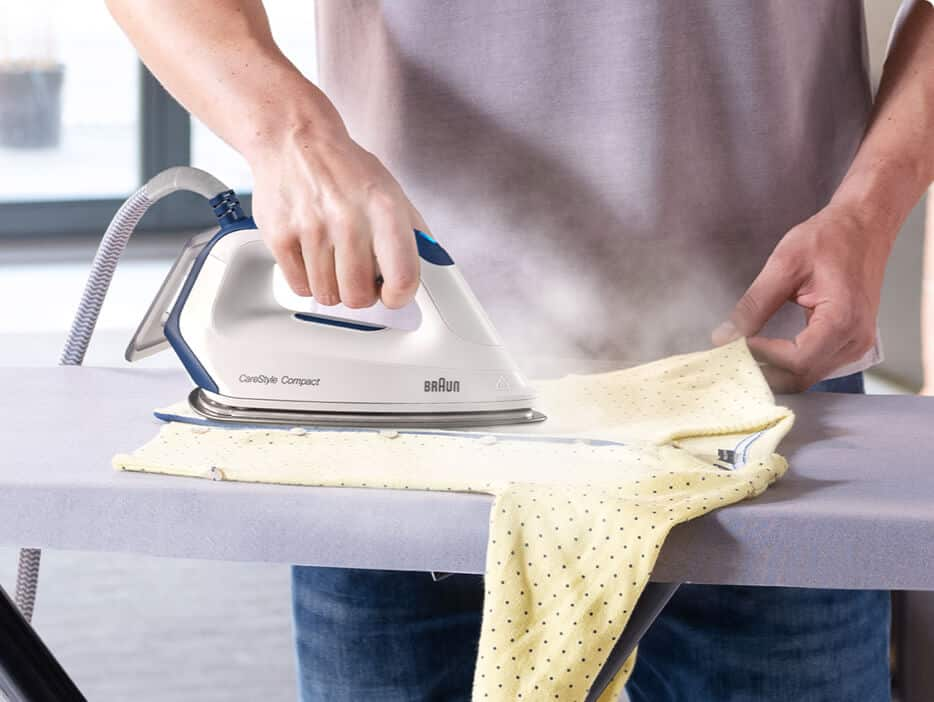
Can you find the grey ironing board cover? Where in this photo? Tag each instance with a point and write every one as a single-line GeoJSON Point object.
{"type": "Point", "coordinates": [856, 509]}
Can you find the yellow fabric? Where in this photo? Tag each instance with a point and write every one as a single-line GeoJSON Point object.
{"type": "Point", "coordinates": [582, 503]}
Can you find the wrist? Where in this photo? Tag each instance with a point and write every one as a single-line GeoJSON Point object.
{"type": "Point", "coordinates": [879, 196]}
{"type": "Point", "coordinates": [294, 111]}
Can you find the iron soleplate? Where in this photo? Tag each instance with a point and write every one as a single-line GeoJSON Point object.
{"type": "Point", "coordinates": [210, 408]}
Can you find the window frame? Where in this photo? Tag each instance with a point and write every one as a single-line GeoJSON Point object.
{"type": "Point", "coordinates": [164, 140]}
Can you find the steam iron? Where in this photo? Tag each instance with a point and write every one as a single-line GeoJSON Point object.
{"type": "Point", "coordinates": [254, 361]}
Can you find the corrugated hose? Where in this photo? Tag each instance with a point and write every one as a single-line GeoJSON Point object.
{"type": "Point", "coordinates": [108, 253]}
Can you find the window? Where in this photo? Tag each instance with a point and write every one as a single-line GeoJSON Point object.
{"type": "Point", "coordinates": [293, 26]}
{"type": "Point", "coordinates": [82, 124]}
{"type": "Point", "coordinates": [67, 131]}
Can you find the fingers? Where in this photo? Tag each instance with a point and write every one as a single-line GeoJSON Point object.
{"type": "Point", "coordinates": [396, 256]}
{"type": "Point", "coordinates": [355, 264]}
{"type": "Point", "coordinates": [343, 262]}
{"type": "Point", "coordinates": [783, 381]}
{"type": "Point", "coordinates": [318, 254]}
{"type": "Point", "coordinates": [336, 222]}
{"type": "Point", "coordinates": [827, 342]}
{"type": "Point", "coordinates": [795, 365]}
{"type": "Point", "coordinates": [288, 254]}
{"type": "Point", "coordinates": [774, 286]}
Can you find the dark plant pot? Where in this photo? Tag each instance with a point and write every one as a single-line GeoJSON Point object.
{"type": "Point", "coordinates": [31, 106]}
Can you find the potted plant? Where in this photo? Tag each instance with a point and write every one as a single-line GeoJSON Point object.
{"type": "Point", "coordinates": [30, 83]}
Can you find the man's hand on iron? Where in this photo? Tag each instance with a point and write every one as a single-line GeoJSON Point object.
{"type": "Point", "coordinates": [336, 220]}
{"type": "Point", "coordinates": [333, 216]}
{"type": "Point", "coordinates": [832, 265]}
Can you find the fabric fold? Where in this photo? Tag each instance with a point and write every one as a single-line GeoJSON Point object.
{"type": "Point", "coordinates": [582, 503]}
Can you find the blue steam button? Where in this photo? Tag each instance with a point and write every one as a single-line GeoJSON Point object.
{"type": "Point", "coordinates": [430, 250]}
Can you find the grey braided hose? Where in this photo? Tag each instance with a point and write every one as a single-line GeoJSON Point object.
{"type": "Point", "coordinates": [27, 579]}
{"type": "Point", "coordinates": [108, 253]}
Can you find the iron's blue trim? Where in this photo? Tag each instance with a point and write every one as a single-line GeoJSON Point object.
{"type": "Point", "coordinates": [245, 223]}
{"type": "Point", "coordinates": [335, 322]}
{"type": "Point", "coordinates": [430, 250]}
{"type": "Point", "coordinates": [231, 218]}
{"type": "Point", "coordinates": [173, 332]}
{"type": "Point", "coordinates": [227, 208]}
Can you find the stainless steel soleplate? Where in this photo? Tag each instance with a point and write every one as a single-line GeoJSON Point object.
{"type": "Point", "coordinates": [219, 411]}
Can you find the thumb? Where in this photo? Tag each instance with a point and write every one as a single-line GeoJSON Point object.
{"type": "Point", "coordinates": [772, 288]}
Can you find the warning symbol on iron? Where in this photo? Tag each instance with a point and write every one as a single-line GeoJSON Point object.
{"type": "Point", "coordinates": [502, 384]}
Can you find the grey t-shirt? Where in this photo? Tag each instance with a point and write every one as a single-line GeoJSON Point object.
{"type": "Point", "coordinates": [609, 174]}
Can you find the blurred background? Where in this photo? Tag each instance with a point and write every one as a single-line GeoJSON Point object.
{"type": "Point", "coordinates": [82, 124]}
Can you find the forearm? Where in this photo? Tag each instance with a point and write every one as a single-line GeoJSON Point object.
{"type": "Point", "coordinates": [335, 219]}
{"type": "Point", "coordinates": [895, 162]}
{"type": "Point", "coordinates": [220, 61]}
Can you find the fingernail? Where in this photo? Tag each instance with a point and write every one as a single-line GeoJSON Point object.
{"type": "Point", "coordinates": [724, 334]}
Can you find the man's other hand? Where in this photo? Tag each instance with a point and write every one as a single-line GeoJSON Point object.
{"type": "Point", "coordinates": [832, 265]}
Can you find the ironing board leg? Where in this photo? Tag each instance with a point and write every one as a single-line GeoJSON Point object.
{"type": "Point", "coordinates": [28, 670]}
{"type": "Point", "coordinates": [654, 597]}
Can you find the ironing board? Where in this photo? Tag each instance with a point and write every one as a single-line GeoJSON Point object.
{"type": "Point", "coordinates": [856, 509]}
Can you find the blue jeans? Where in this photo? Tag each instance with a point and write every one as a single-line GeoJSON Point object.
{"type": "Point", "coordinates": [401, 637]}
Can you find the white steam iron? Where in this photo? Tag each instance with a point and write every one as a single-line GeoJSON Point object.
{"type": "Point", "coordinates": [255, 361]}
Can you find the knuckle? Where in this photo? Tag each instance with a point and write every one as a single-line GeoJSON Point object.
{"type": "Point", "coordinates": [287, 249]}
{"type": "Point", "coordinates": [280, 240]}
{"type": "Point", "coordinates": [799, 367]}
{"type": "Point", "coordinates": [294, 274]}
{"type": "Point", "coordinates": [358, 300]}
{"type": "Point", "coordinates": [323, 285]}
{"type": "Point", "coordinates": [342, 232]}
{"type": "Point", "coordinates": [784, 264]}
{"type": "Point", "coordinates": [865, 339]}
{"type": "Point", "coordinates": [339, 213]}
{"type": "Point", "coordinates": [326, 296]}
{"type": "Point", "coordinates": [359, 294]}
{"type": "Point", "coordinates": [801, 383]}
{"type": "Point", "coordinates": [838, 328]}
{"type": "Point", "coordinates": [845, 318]}
{"type": "Point", "coordinates": [298, 282]}
{"type": "Point", "coordinates": [392, 302]}
{"type": "Point", "coordinates": [405, 282]}
{"type": "Point", "coordinates": [381, 199]}
{"type": "Point", "coordinates": [395, 298]}
{"type": "Point", "coordinates": [749, 305]}
{"type": "Point", "coordinates": [315, 234]}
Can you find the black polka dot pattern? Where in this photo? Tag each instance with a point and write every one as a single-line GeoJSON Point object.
{"type": "Point", "coordinates": [578, 519]}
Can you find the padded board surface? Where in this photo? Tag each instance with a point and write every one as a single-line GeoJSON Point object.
{"type": "Point", "coordinates": [856, 508]}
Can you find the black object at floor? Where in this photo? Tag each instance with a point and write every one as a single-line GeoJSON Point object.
{"type": "Point", "coordinates": [28, 670]}
{"type": "Point", "coordinates": [653, 599]}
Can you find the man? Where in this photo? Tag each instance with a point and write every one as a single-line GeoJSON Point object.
{"type": "Point", "coordinates": [612, 177]}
